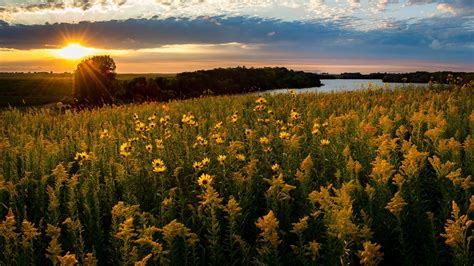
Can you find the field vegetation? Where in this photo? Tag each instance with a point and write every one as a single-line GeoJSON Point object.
{"type": "Point", "coordinates": [381, 175]}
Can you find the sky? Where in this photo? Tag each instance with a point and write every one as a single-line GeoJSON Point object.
{"type": "Point", "coordinates": [169, 36]}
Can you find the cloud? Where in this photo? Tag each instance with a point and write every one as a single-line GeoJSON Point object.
{"type": "Point", "coordinates": [446, 8]}
{"type": "Point", "coordinates": [439, 38]}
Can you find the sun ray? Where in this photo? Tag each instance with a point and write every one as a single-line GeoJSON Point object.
{"type": "Point", "coordinates": [74, 51]}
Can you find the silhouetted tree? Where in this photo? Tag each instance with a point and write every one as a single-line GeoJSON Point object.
{"type": "Point", "coordinates": [94, 81]}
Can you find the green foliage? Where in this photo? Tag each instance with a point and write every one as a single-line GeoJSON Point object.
{"type": "Point", "coordinates": [363, 177]}
{"type": "Point", "coordinates": [94, 81]}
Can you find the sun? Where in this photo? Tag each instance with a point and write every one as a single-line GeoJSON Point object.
{"type": "Point", "coordinates": [74, 51]}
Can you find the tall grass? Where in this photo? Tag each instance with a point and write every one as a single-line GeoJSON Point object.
{"type": "Point", "coordinates": [379, 175]}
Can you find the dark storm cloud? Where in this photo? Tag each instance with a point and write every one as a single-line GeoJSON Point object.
{"type": "Point", "coordinates": [437, 38]}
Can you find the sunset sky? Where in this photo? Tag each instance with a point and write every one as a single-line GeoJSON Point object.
{"type": "Point", "coordinates": [179, 35]}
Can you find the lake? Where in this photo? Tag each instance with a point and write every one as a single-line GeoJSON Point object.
{"type": "Point", "coordinates": [347, 85]}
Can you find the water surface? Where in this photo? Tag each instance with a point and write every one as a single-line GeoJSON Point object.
{"type": "Point", "coordinates": [349, 85]}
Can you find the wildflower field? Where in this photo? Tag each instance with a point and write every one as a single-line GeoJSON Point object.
{"type": "Point", "coordinates": [366, 177]}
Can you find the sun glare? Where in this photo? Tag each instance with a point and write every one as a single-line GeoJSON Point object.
{"type": "Point", "coordinates": [74, 51]}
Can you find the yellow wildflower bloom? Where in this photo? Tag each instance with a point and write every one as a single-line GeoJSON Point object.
{"type": "Point", "coordinates": [176, 229]}
{"type": "Point", "coordinates": [151, 126]}
{"type": "Point", "coordinates": [261, 100]}
{"type": "Point", "coordinates": [371, 254]}
{"type": "Point", "coordinates": [81, 156]}
{"type": "Point", "coordinates": [456, 229]}
{"type": "Point", "coordinates": [158, 166]}
{"type": "Point", "coordinates": [159, 144]}
{"type": "Point", "coordinates": [396, 204]}
{"type": "Point", "coordinates": [205, 180]}
{"type": "Point", "coordinates": [140, 127]}
{"type": "Point", "coordinates": [149, 148]}
{"type": "Point", "coordinates": [294, 115]}
{"type": "Point", "coordinates": [211, 197]}
{"type": "Point", "coordinates": [275, 167]}
{"type": "Point", "coordinates": [284, 135]}
{"type": "Point", "coordinates": [104, 134]}
{"type": "Point", "coordinates": [324, 142]}
{"type": "Point", "coordinates": [67, 260]}
{"type": "Point", "coordinates": [240, 157]}
{"type": "Point", "coordinates": [312, 250]}
{"type": "Point", "coordinates": [268, 224]}
{"type": "Point", "coordinates": [264, 140]}
{"type": "Point", "coordinates": [126, 149]}
{"type": "Point", "coordinates": [8, 226]}
{"type": "Point", "coordinates": [232, 207]}
{"type": "Point", "coordinates": [300, 226]}
{"type": "Point", "coordinates": [221, 159]}
{"type": "Point", "coordinates": [28, 233]}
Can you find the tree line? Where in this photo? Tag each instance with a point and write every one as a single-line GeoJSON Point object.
{"type": "Point", "coordinates": [95, 83]}
{"type": "Point", "coordinates": [440, 77]}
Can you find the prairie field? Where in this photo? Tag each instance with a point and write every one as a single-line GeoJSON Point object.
{"type": "Point", "coordinates": [376, 176]}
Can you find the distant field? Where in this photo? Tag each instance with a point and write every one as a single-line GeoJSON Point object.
{"type": "Point", "coordinates": [43, 88]}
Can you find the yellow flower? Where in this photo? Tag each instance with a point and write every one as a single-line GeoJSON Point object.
{"type": "Point", "coordinates": [267, 149]}
{"type": "Point", "coordinates": [126, 230]}
{"type": "Point", "coordinates": [144, 261]}
{"type": "Point", "coordinates": [315, 129]}
{"type": "Point", "coordinates": [268, 224]}
{"type": "Point", "coordinates": [165, 120]}
{"type": "Point", "coordinates": [382, 170]}
{"type": "Point", "coordinates": [197, 165]}
{"type": "Point", "coordinates": [205, 180]}
{"type": "Point", "coordinates": [219, 140]}
{"type": "Point", "coordinates": [279, 188]}
{"type": "Point", "coordinates": [67, 260]}
{"type": "Point", "coordinates": [104, 134]}
{"type": "Point", "coordinates": [261, 100]}
{"type": "Point", "coordinates": [221, 159]}
{"type": "Point", "coordinates": [294, 115]}
{"type": "Point", "coordinates": [29, 233]}
{"type": "Point", "coordinates": [312, 250]}
{"type": "Point", "coordinates": [159, 144]}
{"type": "Point", "coordinates": [396, 204]}
{"type": "Point", "coordinates": [248, 133]}
{"type": "Point", "coordinates": [151, 126]}
{"type": "Point", "coordinates": [189, 119]}
{"type": "Point", "coordinates": [126, 149]}
{"type": "Point", "coordinates": [284, 135]}
{"type": "Point", "coordinates": [264, 140]}
{"type": "Point", "coordinates": [233, 118]}
{"type": "Point", "coordinates": [8, 227]}
{"type": "Point", "coordinates": [201, 164]}
{"type": "Point", "coordinates": [200, 141]}
{"type": "Point", "coordinates": [324, 142]}
{"type": "Point", "coordinates": [211, 197]}
{"type": "Point", "coordinates": [240, 157]}
{"type": "Point", "coordinates": [371, 254]}
{"type": "Point", "coordinates": [140, 126]}
{"type": "Point", "coordinates": [176, 229]}
{"type": "Point", "coordinates": [149, 148]}
{"type": "Point", "coordinates": [81, 156]}
{"type": "Point", "coordinates": [232, 207]}
{"type": "Point", "coordinates": [275, 167]}
{"type": "Point", "coordinates": [158, 166]}
{"type": "Point", "coordinates": [300, 226]}
{"type": "Point", "coordinates": [456, 229]}
{"type": "Point", "coordinates": [218, 125]}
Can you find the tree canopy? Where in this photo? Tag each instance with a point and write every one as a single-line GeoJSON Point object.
{"type": "Point", "coordinates": [94, 81]}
